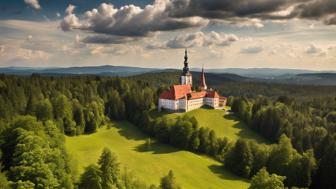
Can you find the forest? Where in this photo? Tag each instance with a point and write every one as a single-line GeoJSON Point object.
{"type": "Point", "coordinates": [37, 111]}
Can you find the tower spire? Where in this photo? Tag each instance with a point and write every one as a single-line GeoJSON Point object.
{"type": "Point", "coordinates": [186, 67]}
{"type": "Point", "coordinates": [203, 85]}
{"type": "Point", "coordinates": [186, 55]}
{"type": "Point", "coordinates": [186, 77]}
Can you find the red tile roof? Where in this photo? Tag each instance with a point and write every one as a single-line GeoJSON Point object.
{"type": "Point", "coordinates": [181, 90]}
{"type": "Point", "coordinates": [212, 94]}
{"type": "Point", "coordinates": [167, 95]}
{"type": "Point", "coordinates": [195, 95]}
{"type": "Point", "coordinates": [176, 92]}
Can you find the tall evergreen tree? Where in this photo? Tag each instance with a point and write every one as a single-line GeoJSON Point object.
{"type": "Point", "coordinates": [109, 167]}
{"type": "Point", "coordinates": [169, 181]}
{"type": "Point", "coordinates": [239, 160]}
{"type": "Point", "coordinates": [91, 178]}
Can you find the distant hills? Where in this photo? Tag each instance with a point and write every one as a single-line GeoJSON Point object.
{"type": "Point", "coordinates": [215, 76]}
{"type": "Point", "coordinates": [88, 70]}
{"type": "Point", "coordinates": [264, 73]}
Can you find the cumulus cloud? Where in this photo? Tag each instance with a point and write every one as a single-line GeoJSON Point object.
{"type": "Point", "coordinates": [251, 49]}
{"type": "Point", "coordinates": [70, 21]}
{"type": "Point", "coordinates": [166, 15]}
{"type": "Point", "coordinates": [129, 20]}
{"type": "Point", "coordinates": [198, 39]}
{"type": "Point", "coordinates": [33, 3]}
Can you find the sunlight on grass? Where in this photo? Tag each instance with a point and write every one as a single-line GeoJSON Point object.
{"type": "Point", "coordinates": [224, 124]}
{"type": "Point", "coordinates": [191, 170]}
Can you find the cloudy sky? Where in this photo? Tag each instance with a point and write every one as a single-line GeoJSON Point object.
{"type": "Point", "coordinates": [153, 33]}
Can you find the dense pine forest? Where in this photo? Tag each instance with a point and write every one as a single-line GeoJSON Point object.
{"type": "Point", "coordinates": [37, 111]}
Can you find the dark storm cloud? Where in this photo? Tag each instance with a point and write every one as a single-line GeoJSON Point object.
{"type": "Point", "coordinates": [225, 8]}
{"type": "Point", "coordinates": [132, 21]}
{"type": "Point", "coordinates": [324, 10]}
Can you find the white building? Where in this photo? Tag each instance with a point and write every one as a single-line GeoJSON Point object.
{"type": "Point", "coordinates": [181, 98]}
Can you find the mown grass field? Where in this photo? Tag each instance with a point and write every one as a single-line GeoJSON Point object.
{"type": "Point", "coordinates": [224, 125]}
{"type": "Point", "coordinates": [192, 171]}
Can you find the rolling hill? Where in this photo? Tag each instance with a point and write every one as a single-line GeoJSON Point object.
{"type": "Point", "coordinates": [214, 77]}
{"type": "Point", "coordinates": [106, 70]}
{"type": "Point", "coordinates": [192, 171]}
{"type": "Point", "coordinates": [224, 125]}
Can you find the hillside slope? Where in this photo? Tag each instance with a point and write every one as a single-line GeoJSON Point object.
{"type": "Point", "coordinates": [224, 125]}
{"type": "Point", "coordinates": [192, 171]}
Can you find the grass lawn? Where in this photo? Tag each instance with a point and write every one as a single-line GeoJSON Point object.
{"type": "Point", "coordinates": [227, 125]}
{"type": "Point", "coordinates": [191, 170]}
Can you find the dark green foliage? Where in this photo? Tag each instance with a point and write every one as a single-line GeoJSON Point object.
{"type": "Point", "coordinates": [115, 106]}
{"type": "Point", "coordinates": [169, 182]}
{"type": "Point", "coordinates": [34, 155]}
{"type": "Point", "coordinates": [239, 159]}
{"type": "Point", "coordinates": [3, 181]}
{"type": "Point", "coordinates": [325, 177]}
{"type": "Point", "coordinates": [109, 168]}
{"type": "Point", "coordinates": [263, 180]}
{"type": "Point", "coordinates": [91, 178]}
{"type": "Point", "coordinates": [44, 110]}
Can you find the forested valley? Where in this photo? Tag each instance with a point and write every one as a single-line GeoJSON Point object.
{"type": "Point", "coordinates": [37, 111]}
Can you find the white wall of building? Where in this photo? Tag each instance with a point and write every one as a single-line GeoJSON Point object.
{"type": "Point", "coordinates": [186, 80]}
{"type": "Point", "coordinates": [188, 105]}
{"type": "Point", "coordinates": [173, 105]}
{"type": "Point", "coordinates": [195, 103]}
{"type": "Point", "coordinates": [167, 104]}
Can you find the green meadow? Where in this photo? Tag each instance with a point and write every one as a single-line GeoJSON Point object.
{"type": "Point", "coordinates": [224, 124]}
{"type": "Point", "coordinates": [128, 142]}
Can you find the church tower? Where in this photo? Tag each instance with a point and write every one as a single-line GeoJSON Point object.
{"type": "Point", "coordinates": [186, 77]}
{"type": "Point", "coordinates": [203, 85]}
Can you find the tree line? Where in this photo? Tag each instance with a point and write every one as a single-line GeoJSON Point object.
{"type": "Point", "coordinates": [310, 125]}
{"type": "Point", "coordinates": [36, 112]}
{"type": "Point", "coordinates": [303, 129]}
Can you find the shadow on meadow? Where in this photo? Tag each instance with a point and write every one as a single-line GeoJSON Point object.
{"type": "Point", "coordinates": [131, 132]}
{"type": "Point", "coordinates": [155, 148]}
{"type": "Point", "coordinates": [223, 174]}
{"type": "Point", "coordinates": [245, 132]}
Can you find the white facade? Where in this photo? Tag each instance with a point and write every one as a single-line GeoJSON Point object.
{"type": "Point", "coordinates": [174, 105]}
{"type": "Point", "coordinates": [195, 103]}
{"type": "Point", "coordinates": [186, 79]}
{"type": "Point", "coordinates": [184, 105]}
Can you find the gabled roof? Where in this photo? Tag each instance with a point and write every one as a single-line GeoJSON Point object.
{"type": "Point", "coordinates": [184, 91]}
{"type": "Point", "coordinates": [167, 95]}
{"type": "Point", "coordinates": [181, 90]}
{"type": "Point", "coordinates": [176, 92]}
{"type": "Point", "coordinates": [212, 94]}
